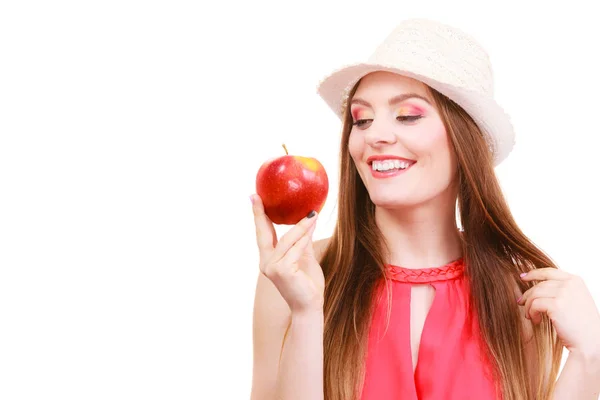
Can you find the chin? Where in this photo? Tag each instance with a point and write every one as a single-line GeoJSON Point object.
{"type": "Point", "coordinates": [395, 200]}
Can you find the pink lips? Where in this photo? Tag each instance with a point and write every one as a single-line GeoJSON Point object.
{"type": "Point", "coordinates": [388, 157]}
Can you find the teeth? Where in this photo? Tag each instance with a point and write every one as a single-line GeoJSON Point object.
{"type": "Point", "coordinates": [387, 165]}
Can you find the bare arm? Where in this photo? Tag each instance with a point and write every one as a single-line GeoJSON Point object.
{"type": "Point", "coordinates": [271, 318]}
{"type": "Point", "coordinates": [301, 367]}
{"type": "Point", "coordinates": [288, 349]}
{"type": "Point", "coordinates": [580, 378]}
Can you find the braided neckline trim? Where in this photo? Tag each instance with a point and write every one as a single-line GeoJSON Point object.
{"type": "Point", "coordinates": [446, 272]}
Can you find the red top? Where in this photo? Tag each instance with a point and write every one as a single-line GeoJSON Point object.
{"type": "Point", "coordinates": [451, 364]}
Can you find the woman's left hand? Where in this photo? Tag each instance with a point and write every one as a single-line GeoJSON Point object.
{"type": "Point", "coordinates": [569, 305]}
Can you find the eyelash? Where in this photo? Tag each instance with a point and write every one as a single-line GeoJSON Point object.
{"type": "Point", "coordinates": [407, 118]}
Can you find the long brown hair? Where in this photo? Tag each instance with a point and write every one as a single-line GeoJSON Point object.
{"type": "Point", "coordinates": [495, 251]}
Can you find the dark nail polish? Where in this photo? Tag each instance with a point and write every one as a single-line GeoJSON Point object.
{"type": "Point", "coordinates": [311, 214]}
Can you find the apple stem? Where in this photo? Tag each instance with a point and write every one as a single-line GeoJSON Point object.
{"type": "Point", "coordinates": [286, 152]}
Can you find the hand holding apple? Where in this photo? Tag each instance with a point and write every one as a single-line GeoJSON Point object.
{"type": "Point", "coordinates": [290, 187]}
{"type": "Point", "coordinates": [289, 262]}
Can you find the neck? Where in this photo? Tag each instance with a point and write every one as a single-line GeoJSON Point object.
{"type": "Point", "coordinates": [420, 237]}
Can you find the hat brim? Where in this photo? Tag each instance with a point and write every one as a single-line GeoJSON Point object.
{"type": "Point", "coordinates": [485, 111]}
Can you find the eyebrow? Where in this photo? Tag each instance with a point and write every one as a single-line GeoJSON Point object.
{"type": "Point", "coordinates": [393, 100]}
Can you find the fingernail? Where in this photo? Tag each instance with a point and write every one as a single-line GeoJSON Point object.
{"type": "Point", "coordinates": [519, 299]}
{"type": "Point", "coordinates": [523, 274]}
{"type": "Point", "coordinates": [252, 199]}
{"type": "Point", "coordinates": [311, 214]}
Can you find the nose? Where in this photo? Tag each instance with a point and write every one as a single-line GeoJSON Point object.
{"type": "Point", "coordinates": [381, 134]}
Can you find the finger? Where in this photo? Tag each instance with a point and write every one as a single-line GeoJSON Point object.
{"type": "Point", "coordinates": [540, 306]}
{"type": "Point", "coordinates": [294, 254]}
{"type": "Point", "coordinates": [542, 274]}
{"type": "Point", "coordinates": [287, 264]}
{"type": "Point", "coordinates": [266, 238]}
{"type": "Point", "coordinates": [546, 292]}
{"type": "Point", "coordinates": [309, 250]}
{"type": "Point", "coordinates": [540, 289]}
{"type": "Point", "coordinates": [293, 235]}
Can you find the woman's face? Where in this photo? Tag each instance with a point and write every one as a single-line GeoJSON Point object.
{"type": "Point", "coordinates": [398, 142]}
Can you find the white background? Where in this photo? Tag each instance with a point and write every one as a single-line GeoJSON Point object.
{"type": "Point", "coordinates": [130, 136]}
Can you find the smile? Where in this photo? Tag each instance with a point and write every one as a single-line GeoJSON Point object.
{"type": "Point", "coordinates": [389, 167]}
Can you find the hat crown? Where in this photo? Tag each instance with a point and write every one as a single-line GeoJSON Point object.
{"type": "Point", "coordinates": [439, 52]}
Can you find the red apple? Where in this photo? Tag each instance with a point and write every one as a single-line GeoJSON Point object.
{"type": "Point", "coordinates": [290, 187]}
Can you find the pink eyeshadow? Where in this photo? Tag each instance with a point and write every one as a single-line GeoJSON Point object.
{"type": "Point", "coordinates": [410, 110]}
{"type": "Point", "coordinates": [358, 113]}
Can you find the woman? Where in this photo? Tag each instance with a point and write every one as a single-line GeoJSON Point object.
{"type": "Point", "coordinates": [400, 303]}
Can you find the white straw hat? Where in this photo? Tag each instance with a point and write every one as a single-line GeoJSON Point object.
{"type": "Point", "coordinates": [444, 58]}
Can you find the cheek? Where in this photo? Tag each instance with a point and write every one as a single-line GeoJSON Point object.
{"type": "Point", "coordinates": [354, 146]}
{"type": "Point", "coordinates": [356, 149]}
{"type": "Point", "coordinates": [440, 144]}
{"type": "Point", "coordinates": [431, 143]}
{"type": "Point", "coordinates": [441, 155]}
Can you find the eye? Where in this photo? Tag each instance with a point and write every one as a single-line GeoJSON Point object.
{"type": "Point", "coordinates": [408, 118]}
{"type": "Point", "coordinates": [361, 122]}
